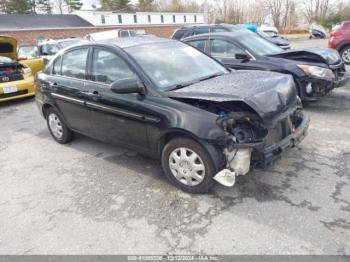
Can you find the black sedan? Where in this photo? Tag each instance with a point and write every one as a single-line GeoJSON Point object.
{"type": "Point", "coordinates": [167, 100]}
{"type": "Point", "coordinates": [316, 71]}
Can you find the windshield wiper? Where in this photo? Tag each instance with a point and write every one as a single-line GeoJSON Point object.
{"type": "Point", "coordinates": [179, 86]}
{"type": "Point", "coordinates": [211, 76]}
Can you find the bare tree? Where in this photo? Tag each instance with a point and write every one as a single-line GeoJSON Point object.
{"type": "Point", "coordinates": [315, 10]}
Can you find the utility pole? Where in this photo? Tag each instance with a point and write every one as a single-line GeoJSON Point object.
{"type": "Point", "coordinates": [206, 11]}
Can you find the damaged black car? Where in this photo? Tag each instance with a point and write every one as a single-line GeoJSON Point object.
{"type": "Point", "coordinates": [316, 71]}
{"type": "Point", "coordinates": [170, 101]}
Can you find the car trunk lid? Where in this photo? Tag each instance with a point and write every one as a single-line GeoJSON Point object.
{"type": "Point", "coordinates": [8, 47]}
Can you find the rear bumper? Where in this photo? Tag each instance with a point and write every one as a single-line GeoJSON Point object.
{"type": "Point", "coordinates": [263, 157]}
{"type": "Point", "coordinates": [25, 88]}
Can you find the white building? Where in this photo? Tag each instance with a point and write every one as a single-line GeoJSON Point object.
{"type": "Point", "coordinates": [107, 18]}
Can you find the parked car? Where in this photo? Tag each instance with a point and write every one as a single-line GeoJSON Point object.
{"type": "Point", "coordinates": [317, 31]}
{"type": "Point", "coordinates": [270, 30]}
{"type": "Point", "coordinates": [111, 34]}
{"type": "Point", "coordinates": [316, 71]}
{"type": "Point", "coordinates": [278, 40]}
{"type": "Point", "coordinates": [340, 40]}
{"type": "Point", "coordinates": [170, 101]}
{"type": "Point", "coordinates": [188, 31]}
{"type": "Point", "coordinates": [16, 73]}
{"type": "Point", "coordinates": [28, 51]}
{"type": "Point", "coordinates": [48, 48]}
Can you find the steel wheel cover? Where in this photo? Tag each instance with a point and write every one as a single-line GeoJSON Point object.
{"type": "Point", "coordinates": [186, 166]}
{"type": "Point", "coordinates": [55, 125]}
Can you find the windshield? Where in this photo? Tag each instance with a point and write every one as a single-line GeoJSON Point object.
{"type": "Point", "coordinates": [258, 45]}
{"type": "Point", "coordinates": [67, 43]}
{"type": "Point", "coordinates": [28, 51]}
{"type": "Point", "coordinates": [49, 49]}
{"type": "Point", "coordinates": [172, 65]}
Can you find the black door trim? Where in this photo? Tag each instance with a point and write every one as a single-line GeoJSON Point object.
{"type": "Point", "coordinates": [69, 99]}
{"type": "Point", "coordinates": [125, 113]}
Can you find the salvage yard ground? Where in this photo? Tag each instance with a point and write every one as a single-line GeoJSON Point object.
{"type": "Point", "coordinates": [91, 198]}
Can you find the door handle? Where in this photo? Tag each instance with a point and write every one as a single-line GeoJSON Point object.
{"type": "Point", "coordinates": [94, 95]}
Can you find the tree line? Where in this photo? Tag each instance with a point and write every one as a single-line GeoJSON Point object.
{"type": "Point", "coordinates": [39, 6]}
{"type": "Point", "coordinates": [284, 14]}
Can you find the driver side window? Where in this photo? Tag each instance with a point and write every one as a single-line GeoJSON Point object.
{"type": "Point", "coordinates": [108, 67]}
{"type": "Point", "coordinates": [224, 49]}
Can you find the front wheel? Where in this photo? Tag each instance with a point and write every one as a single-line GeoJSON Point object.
{"type": "Point", "coordinates": [58, 129]}
{"type": "Point", "coordinates": [345, 54]}
{"type": "Point", "coordinates": [188, 165]}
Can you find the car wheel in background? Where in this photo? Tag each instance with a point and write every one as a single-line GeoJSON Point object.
{"type": "Point", "coordinates": [188, 165]}
{"type": "Point", "coordinates": [58, 129]}
{"type": "Point", "coordinates": [345, 54]}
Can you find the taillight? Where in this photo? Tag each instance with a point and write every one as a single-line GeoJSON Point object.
{"type": "Point", "coordinates": [335, 33]}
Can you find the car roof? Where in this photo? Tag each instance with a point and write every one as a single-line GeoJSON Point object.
{"type": "Point", "coordinates": [199, 26]}
{"type": "Point", "coordinates": [220, 34]}
{"type": "Point", "coordinates": [126, 42]}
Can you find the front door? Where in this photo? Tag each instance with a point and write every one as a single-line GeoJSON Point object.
{"type": "Point", "coordinates": [117, 118]}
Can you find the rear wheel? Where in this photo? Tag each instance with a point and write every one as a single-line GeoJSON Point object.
{"type": "Point", "coordinates": [58, 129]}
{"type": "Point", "coordinates": [345, 54]}
{"type": "Point", "coordinates": [188, 165]}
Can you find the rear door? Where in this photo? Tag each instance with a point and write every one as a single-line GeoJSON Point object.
{"type": "Point", "coordinates": [117, 118]}
{"type": "Point", "coordinates": [68, 88]}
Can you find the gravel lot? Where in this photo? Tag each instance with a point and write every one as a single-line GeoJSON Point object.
{"type": "Point", "coordinates": [91, 198]}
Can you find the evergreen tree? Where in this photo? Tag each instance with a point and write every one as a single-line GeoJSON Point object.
{"type": "Point", "coordinates": [73, 5]}
{"type": "Point", "coordinates": [145, 5]}
{"type": "Point", "coordinates": [116, 5]}
{"type": "Point", "coordinates": [18, 7]}
{"type": "Point", "coordinates": [44, 6]}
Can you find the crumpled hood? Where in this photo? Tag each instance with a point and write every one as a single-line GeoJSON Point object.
{"type": "Point", "coordinates": [268, 94]}
{"type": "Point", "coordinates": [312, 54]}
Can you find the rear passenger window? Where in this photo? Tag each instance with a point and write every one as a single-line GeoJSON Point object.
{"type": "Point", "coordinates": [74, 63]}
{"type": "Point", "coordinates": [56, 69]}
{"type": "Point", "coordinates": [199, 44]}
{"type": "Point", "coordinates": [107, 67]}
{"type": "Point", "coordinates": [199, 31]}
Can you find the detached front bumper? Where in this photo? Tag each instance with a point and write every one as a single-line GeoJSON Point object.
{"type": "Point", "coordinates": [245, 157]}
{"type": "Point", "coordinates": [272, 152]}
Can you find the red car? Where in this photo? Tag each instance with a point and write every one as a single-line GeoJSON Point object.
{"type": "Point", "coordinates": [340, 40]}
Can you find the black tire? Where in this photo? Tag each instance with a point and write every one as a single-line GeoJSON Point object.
{"type": "Point", "coordinates": [342, 51]}
{"type": "Point", "coordinates": [182, 142]}
{"type": "Point", "coordinates": [66, 134]}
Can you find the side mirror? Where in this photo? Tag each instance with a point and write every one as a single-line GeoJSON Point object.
{"type": "Point", "coordinates": [127, 86]}
{"type": "Point", "coordinates": [242, 56]}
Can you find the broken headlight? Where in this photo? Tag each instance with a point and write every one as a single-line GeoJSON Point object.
{"type": "Point", "coordinates": [317, 71]}
{"type": "Point", "coordinates": [244, 127]}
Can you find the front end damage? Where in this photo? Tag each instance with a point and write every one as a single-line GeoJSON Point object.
{"type": "Point", "coordinates": [323, 70]}
{"type": "Point", "coordinates": [251, 146]}
{"type": "Point", "coordinates": [313, 88]}
{"type": "Point", "coordinates": [259, 119]}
